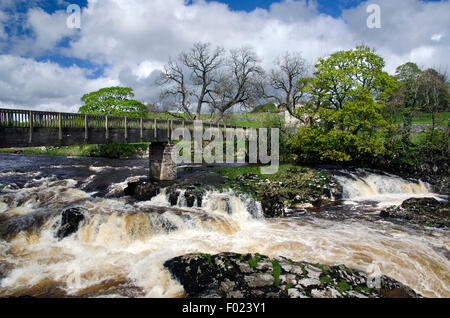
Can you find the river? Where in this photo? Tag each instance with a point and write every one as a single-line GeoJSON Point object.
{"type": "Point", "coordinates": [120, 248]}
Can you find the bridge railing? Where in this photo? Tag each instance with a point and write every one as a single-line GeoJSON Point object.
{"type": "Point", "coordinates": [41, 119]}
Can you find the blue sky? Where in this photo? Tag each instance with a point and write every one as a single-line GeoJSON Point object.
{"type": "Point", "coordinates": [330, 7]}
{"type": "Point", "coordinates": [128, 42]}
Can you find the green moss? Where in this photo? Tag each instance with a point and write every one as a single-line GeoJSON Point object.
{"type": "Point", "coordinates": [208, 257]}
{"type": "Point", "coordinates": [302, 266]}
{"type": "Point", "coordinates": [253, 262]}
{"type": "Point", "coordinates": [276, 272]}
{"type": "Point", "coordinates": [291, 185]}
{"type": "Point", "coordinates": [343, 286]}
{"type": "Point", "coordinates": [321, 267]}
{"type": "Point", "coordinates": [325, 279]}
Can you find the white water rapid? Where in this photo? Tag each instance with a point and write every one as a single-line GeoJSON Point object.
{"type": "Point", "coordinates": [120, 247]}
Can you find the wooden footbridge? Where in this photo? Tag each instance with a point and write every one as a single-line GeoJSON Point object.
{"type": "Point", "coordinates": [26, 128]}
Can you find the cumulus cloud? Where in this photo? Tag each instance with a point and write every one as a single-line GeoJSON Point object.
{"type": "Point", "coordinates": [25, 83]}
{"type": "Point", "coordinates": [135, 38]}
{"type": "Point", "coordinates": [407, 32]}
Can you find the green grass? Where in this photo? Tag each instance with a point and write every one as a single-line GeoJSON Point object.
{"type": "Point", "coordinates": [253, 262]}
{"type": "Point", "coordinates": [161, 115]}
{"type": "Point", "coordinates": [276, 272]}
{"type": "Point", "coordinates": [442, 119]}
{"type": "Point", "coordinates": [249, 123]}
{"type": "Point", "coordinates": [234, 173]}
{"type": "Point", "coordinates": [256, 115]}
{"type": "Point", "coordinates": [67, 151]}
{"type": "Point", "coordinates": [126, 150]}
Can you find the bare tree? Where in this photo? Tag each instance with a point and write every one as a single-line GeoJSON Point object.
{"type": "Point", "coordinates": [238, 82]}
{"type": "Point", "coordinates": [203, 63]}
{"type": "Point", "coordinates": [285, 81]}
{"type": "Point", "coordinates": [176, 94]}
{"type": "Point", "coordinates": [188, 80]}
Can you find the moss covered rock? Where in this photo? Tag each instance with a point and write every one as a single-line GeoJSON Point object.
{"type": "Point", "coordinates": [427, 212]}
{"type": "Point", "coordinates": [230, 275]}
{"type": "Point", "coordinates": [292, 187]}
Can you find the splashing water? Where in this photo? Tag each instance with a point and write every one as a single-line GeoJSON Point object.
{"type": "Point", "coordinates": [385, 189]}
{"type": "Point", "coordinates": [120, 247]}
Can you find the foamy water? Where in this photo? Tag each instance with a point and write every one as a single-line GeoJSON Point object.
{"type": "Point", "coordinates": [120, 248]}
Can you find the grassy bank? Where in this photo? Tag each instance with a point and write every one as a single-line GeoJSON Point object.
{"type": "Point", "coordinates": [108, 151]}
{"type": "Point", "coordinates": [442, 119]}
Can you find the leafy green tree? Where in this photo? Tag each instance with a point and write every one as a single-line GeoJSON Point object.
{"type": "Point", "coordinates": [403, 103]}
{"type": "Point", "coordinates": [346, 107]}
{"type": "Point", "coordinates": [114, 101]}
{"type": "Point", "coordinates": [344, 74]}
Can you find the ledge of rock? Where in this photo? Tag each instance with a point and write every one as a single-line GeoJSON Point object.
{"type": "Point", "coordinates": [299, 187]}
{"type": "Point", "coordinates": [70, 221]}
{"type": "Point", "coordinates": [421, 211]}
{"type": "Point", "coordinates": [230, 275]}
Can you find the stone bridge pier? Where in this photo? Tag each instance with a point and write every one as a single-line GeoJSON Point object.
{"type": "Point", "coordinates": [162, 166]}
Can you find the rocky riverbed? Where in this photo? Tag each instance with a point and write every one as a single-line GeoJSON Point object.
{"type": "Point", "coordinates": [425, 212]}
{"type": "Point", "coordinates": [92, 228]}
{"type": "Point", "coordinates": [230, 275]}
{"type": "Point", "coordinates": [291, 188]}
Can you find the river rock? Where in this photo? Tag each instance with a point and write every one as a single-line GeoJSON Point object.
{"type": "Point", "coordinates": [142, 190]}
{"type": "Point", "coordinates": [421, 211]}
{"type": "Point", "coordinates": [9, 227]}
{"type": "Point", "coordinates": [70, 220]}
{"type": "Point", "coordinates": [297, 187]}
{"type": "Point", "coordinates": [230, 275]}
{"type": "Point", "coordinates": [194, 195]}
{"type": "Point", "coordinates": [173, 196]}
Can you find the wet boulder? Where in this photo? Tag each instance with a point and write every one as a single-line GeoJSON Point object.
{"type": "Point", "coordinates": [11, 226]}
{"type": "Point", "coordinates": [230, 275]}
{"type": "Point", "coordinates": [427, 212]}
{"type": "Point", "coordinates": [173, 196]}
{"type": "Point", "coordinates": [194, 195]}
{"type": "Point", "coordinates": [142, 190]}
{"type": "Point", "coordinates": [70, 221]}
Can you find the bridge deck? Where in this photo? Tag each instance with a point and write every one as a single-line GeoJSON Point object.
{"type": "Point", "coordinates": [24, 128]}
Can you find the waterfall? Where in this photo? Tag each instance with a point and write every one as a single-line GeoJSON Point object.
{"type": "Point", "coordinates": [361, 185]}
{"type": "Point", "coordinates": [120, 246]}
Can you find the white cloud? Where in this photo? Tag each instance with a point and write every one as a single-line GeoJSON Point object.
{"type": "Point", "coordinates": [48, 29]}
{"type": "Point", "coordinates": [29, 84]}
{"type": "Point", "coordinates": [135, 38]}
